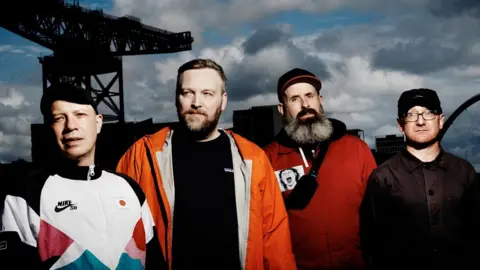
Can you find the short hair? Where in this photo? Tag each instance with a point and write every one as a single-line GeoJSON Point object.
{"type": "Point", "coordinates": [200, 64]}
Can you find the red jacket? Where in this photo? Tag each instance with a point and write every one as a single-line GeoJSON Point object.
{"type": "Point", "coordinates": [325, 235]}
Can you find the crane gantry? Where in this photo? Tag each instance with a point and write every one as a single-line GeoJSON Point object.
{"type": "Point", "coordinates": [87, 43]}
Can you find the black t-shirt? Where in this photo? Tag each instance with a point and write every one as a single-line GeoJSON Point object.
{"type": "Point", "coordinates": [205, 231]}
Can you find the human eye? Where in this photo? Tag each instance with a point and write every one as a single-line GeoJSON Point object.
{"type": "Point", "coordinates": [185, 92]}
{"type": "Point", "coordinates": [208, 93]}
{"type": "Point", "coordinates": [411, 116]}
{"type": "Point", "coordinates": [57, 118]}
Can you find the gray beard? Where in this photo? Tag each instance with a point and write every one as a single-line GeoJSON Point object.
{"type": "Point", "coordinates": [312, 131]}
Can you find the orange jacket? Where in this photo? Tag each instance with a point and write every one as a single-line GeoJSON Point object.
{"type": "Point", "coordinates": [264, 235]}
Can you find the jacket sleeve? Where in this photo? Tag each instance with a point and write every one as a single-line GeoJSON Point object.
{"type": "Point", "coordinates": [472, 203]}
{"type": "Point", "coordinates": [19, 232]}
{"type": "Point", "coordinates": [276, 231]}
{"type": "Point", "coordinates": [370, 212]}
{"type": "Point", "coordinates": [368, 163]}
{"type": "Point", "coordinates": [154, 257]}
{"type": "Point", "coordinates": [128, 163]}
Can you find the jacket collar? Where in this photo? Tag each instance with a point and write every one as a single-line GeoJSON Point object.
{"type": "Point", "coordinates": [286, 145]}
{"type": "Point", "coordinates": [74, 172]}
{"type": "Point", "coordinates": [412, 163]}
{"type": "Point", "coordinates": [163, 137]}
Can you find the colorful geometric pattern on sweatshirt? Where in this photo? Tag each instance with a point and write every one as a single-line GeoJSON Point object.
{"type": "Point", "coordinates": [83, 219]}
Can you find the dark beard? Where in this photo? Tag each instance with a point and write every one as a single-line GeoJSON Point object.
{"type": "Point", "coordinates": [201, 133]}
{"type": "Point", "coordinates": [310, 131]}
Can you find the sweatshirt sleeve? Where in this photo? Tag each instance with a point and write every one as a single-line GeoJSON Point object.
{"type": "Point", "coordinates": [145, 234]}
{"type": "Point", "coordinates": [19, 231]}
{"type": "Point", "coordinates": [154, 257]}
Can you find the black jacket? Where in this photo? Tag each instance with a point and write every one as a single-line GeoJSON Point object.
{"type": "Point", "coordinates": [417, 214]}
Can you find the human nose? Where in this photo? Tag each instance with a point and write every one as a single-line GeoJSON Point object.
{"type": "Point", "coordinates": [72, 123]}
{"type": "Point", "coordinates": [196, 101]}
{"type": "Point", "coordinates": [305, 103]}
{"type": "Point", "coordinates": [420, 119]}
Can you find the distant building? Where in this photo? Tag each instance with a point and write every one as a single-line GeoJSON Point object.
{"type": "Point", "coordinates": [386, 147]}
{"type": "Point", "coordinates": [11, 173]}
{"type": "Point", "coordinates": [258, 124]}
{"type": "Point", "coordinates": [389, 144]}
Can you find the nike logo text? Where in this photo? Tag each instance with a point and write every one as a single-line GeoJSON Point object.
{"type": "Point", "coordinates": [62, 205]}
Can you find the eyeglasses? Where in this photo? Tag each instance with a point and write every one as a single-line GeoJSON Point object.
{"type": "Point", "coordinates": [426, 115]}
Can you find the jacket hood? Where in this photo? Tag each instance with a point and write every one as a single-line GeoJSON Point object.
{"type": "Point", "coordinates": [339, 130]}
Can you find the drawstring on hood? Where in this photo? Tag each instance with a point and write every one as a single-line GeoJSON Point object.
{"type": "Point", "coordinates": [303, 157]}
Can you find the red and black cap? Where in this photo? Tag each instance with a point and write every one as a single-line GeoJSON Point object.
{"type": "Point", "coordinates": [424, 97]}
{"type": "Point", "coordinates": [66, 92]}
{"type": "Point", "coordinates": [294, 76]}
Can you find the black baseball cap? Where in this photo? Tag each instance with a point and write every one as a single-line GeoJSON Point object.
{"type": "Point", "coordinates": [67, 92]}
{"type": "Point", "coordinates": [424, 97]}
{"type": "Point", "coordinates": [294, 76]}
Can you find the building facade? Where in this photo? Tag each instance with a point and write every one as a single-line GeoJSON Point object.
{"type": "Point", "coordinates": [259, 124]}
{"type": "Point", "coordinates": [390, 144]}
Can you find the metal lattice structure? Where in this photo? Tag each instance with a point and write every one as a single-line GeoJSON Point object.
{"type": "Point", "coordinates": [87, 43]}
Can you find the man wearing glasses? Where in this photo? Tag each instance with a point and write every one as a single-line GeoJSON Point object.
{"type": "Point", "coordinates": [421, 207]}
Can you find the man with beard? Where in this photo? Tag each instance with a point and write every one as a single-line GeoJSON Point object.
{"type": "Point", "coordinates": [323, 205]}
{"type": "Point", "coordinates": [213, 194]}
{"type": "Point", "coordinates": [422, 207]}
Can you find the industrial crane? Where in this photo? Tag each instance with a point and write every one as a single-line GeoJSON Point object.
{"type": "Point", "coordinates": [87, 43]}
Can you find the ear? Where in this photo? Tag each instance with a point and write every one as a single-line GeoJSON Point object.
{"type": "Point", "coordinates": [400, 125]}
{"type": "Point", "coordinates": [320, 98]}
{"type": "Point", "coordinates": [224, 100]}
{"type": "Point", "coordinates": [99, 122]}
{"type": "Point", "coordinates": [441, 119]}
{"type": "Point", "coordinates": [178, 90]}
{"type": "Point", "coordinates": [280, 109]}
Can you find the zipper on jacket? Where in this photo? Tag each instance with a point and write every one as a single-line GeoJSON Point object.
{"type": "Point", "coordinates": [163, 210]}
{"type": "Point", "coordinates": [303, 157]}
{"type": "Point", "coordinates": [91, 172]}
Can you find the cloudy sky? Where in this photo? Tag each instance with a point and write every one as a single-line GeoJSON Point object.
{"type": "Point", "coordinates": [366, 52]}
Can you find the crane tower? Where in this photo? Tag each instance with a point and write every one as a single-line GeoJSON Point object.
{"type": "Point", "coordinates": [87, 43]}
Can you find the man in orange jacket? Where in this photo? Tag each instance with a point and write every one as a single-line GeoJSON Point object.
{"type": "Point", "coordinates": [322, 198]}
{"type": "Point", "coordinates": [213, 194]}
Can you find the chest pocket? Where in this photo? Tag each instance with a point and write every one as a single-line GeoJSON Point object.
{"type": "Point", "coordinates": [452, 194]}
